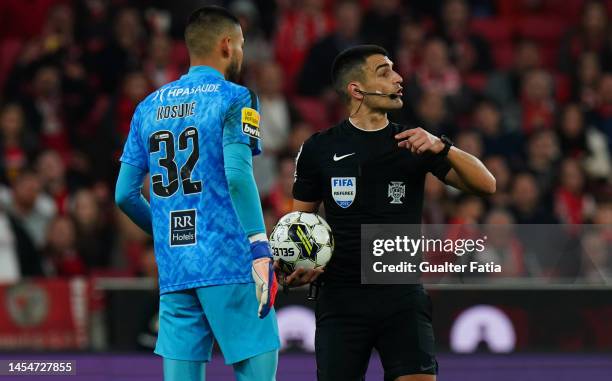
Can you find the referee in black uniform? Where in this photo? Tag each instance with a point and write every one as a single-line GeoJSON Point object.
{"type": "Point", "coordinates": [351, 168]}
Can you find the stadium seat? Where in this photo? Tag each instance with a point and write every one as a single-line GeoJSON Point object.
{"type": "Point", "coordinates": [503, 55]}
{"type": "Point", "coordinates": [562, 87]}
{"type": "Point", "coordinates": [494, 30]}
{"type": "Point", "coordinates": [476, 81]}
{"type": "Point", "coordinates": [9, 50]}
{"type": "Point", "coordinates": [570, 11]}
{"type": "Point", "coordinates": [545, 30]}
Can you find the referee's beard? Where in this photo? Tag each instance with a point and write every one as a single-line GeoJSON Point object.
{"type": "Point", "coordinates": [233, 70]}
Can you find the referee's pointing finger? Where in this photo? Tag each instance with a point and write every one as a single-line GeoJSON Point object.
{"type": "Point", "coordinates": [407, 133]}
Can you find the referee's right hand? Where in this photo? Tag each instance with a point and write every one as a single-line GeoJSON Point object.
{"type": "Point", "coordinates": [298, 277]}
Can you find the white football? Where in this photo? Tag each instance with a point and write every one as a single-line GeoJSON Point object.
{"type": "Point", "coordinates": [301, 240]}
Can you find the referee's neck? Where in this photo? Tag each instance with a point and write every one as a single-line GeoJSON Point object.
{"type": "Point", "coordinates": [370, 122]}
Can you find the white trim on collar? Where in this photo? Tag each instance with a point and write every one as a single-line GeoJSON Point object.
{"type": "Point", "coordinates": [361, 129]}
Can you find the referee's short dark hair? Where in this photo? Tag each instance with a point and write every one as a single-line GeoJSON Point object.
{"type": "Point", "coordinates": [348, 66]}
{"type": "Point", "coordinates": [204, 27]}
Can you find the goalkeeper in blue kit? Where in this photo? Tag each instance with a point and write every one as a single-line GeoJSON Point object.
{"type": "Point", "coordinates": [196, 137]}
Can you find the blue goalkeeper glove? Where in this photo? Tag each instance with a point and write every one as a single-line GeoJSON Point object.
{"type": "Point", "coordinates": [263, 275]}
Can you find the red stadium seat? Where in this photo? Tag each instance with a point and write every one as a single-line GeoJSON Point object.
{"type": "Point", "coordinates": [550, 55]}
{"type": "Point", "coordinates": [503, 55]}
{"type": "Point", "coordinates": [313, 111]}
{"type": "Point", "coordinates": [563, 88]}
{"type": "Point", "coordinates": [494, 30]}
{"type": "Point", "coordinates": [546, 30]}
{"type": "Point", "coordinates": [569, 10]}
{"type": "Point", "coordinates": [9, 50]}
{"type": "Point", "coordinates": [476, 81]}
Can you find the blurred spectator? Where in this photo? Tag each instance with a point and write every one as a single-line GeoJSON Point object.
{"type": "Point", "coordinates": [256, 49]}
{"type": "Point", "coordinates": [74, 72]}
{"type": "Point", "coordinates": [602, 116]}
{"type": "Point", "coordinates": [469, 209]}
{"type": "Point", "coordinates": [537, 103]}
{"type": "Point", "coordinates": [470, 142]}
{"type": "Point", "coordinates": [105, 149]}
{"type": "Point", "coordinates": [17, 144]}
{"type": "Point", "coordinates": [437, 75]}
{"type": "Point", "coordinates": [31, 208]}
{"type": "Point", "coordinates": [158, 66]}
{"type": "Point", "coordinates": [572, 204]}
{"type": "Point", "coordinates": [277, 113]}
{"type": "Point", "coordinates": [301, 131]}
{"type": "Point", "coordinates": [315, 77]}
{"type": "Point", "coordinates": [381, 24]}
{"type": "Point", "coordinates": [44, 109]}
{"type": "Point", "coordinates": [586, 79]}
{"type": "Point", "coordinates": [468, 51]}
{"type": "Point", "coordinates": [18, 256]}
{"type": "Point", "coordinates": [94, 238]}
{"type": "Point", "coordinates": [60, 253]}
{"type": "Point", "coordinates": [24, 19]}
{"type": "Point", "coordinates": [495, 139]}
{"type": "Point", "coordinates": [299, 28]}
{"type": "Point", "coordinates": [432, 114]}
{"type": "Point", "coordinates": [525, 202]}
{"type": "Point", "coordinates": [51, 172]}
{"type": "Point", "coordinates": [543, 154]}
{"type": "Point", "coordinates": [584, 143]}
{"type": "Point", "coordinates": [503, 246]}
{"type": "Point", "coordinates": [408, 53]}
{"type": "Point", "coordinates": [592, 35]}
{"type": "Point", "coordinates": [280, 198]}
{"type": "Point", "coordinates": [277, 117]}
{"type": "Point", "coordinates": [58, 30]}
{"type": "Point", "coordinates": [504, 87]}
{"type": "Point", "coordinates": [435, 203]}
{"type": "Point", "coordinates": [123, 51]}
{"type": "Point", "coordinates": [499, 168]}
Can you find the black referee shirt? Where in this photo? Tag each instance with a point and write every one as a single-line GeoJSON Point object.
{"type": "Point", "coordinates": [362, 177]}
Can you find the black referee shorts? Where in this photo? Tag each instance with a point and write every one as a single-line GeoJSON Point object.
{"type": "Point", "coordinates": [393, 319]}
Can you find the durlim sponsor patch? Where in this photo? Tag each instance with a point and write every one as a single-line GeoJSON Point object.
{"type": "Point", "coordinates": [250, 123]}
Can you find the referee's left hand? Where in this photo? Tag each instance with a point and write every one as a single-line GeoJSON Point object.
{"type": "Point", "coordinates": [419, 141]}
{"type": "Point", "coordinates": [299, 276]}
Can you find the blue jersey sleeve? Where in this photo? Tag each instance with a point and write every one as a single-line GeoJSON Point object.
{"type": "Point", "coordinates": [129, 198]}
{"type": "Point", "coordinates": [243, 189]}
{"type": "Point", "coordinates": [134, 151]}
{"type": "Point", "coordinates": [241, 124]}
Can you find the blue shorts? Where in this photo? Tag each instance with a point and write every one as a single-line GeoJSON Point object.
{"type": "Point", "coordinates": [189, 320]}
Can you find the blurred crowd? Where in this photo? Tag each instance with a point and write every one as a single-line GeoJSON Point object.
{"type": "Point", "coordinates": [525, 85]}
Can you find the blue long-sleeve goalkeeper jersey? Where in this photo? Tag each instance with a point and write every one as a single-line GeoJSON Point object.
{"type": "Point", "coordinates": [178, 134]}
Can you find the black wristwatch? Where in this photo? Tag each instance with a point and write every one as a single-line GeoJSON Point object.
{"type": "Point", "coordinates": [447, 145]}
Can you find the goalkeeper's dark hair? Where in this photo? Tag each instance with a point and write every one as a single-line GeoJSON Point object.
{"type": "Point", "coordinates": [348, 66]}
{"type": "Point", "coordinates": [205, 26]}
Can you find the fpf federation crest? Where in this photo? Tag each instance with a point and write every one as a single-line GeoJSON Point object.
{"type": "Point", "coordinates": [397, 190]}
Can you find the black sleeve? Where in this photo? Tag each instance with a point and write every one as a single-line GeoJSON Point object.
{"type": "Point", "coordinates": [307, 185]}
{"type": "Point", "coordinates": [438, 166]}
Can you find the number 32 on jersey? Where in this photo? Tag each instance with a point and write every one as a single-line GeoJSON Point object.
{"type": "Point", "coordinates": [168, 162]}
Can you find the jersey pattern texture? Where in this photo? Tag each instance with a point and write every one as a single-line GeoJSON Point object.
{"type": "Point", "coordinates": [177, 134]}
